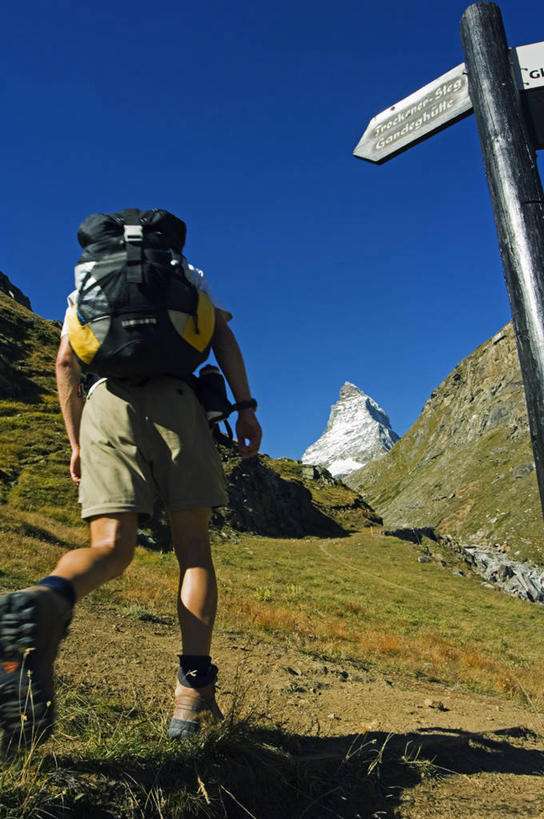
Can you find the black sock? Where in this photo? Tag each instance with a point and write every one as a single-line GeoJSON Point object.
{"type": "Point", "coordinates": [61, 586]}
{"type": "Point", "coordinates": [198, 664]}
{"type": "Point", "coordinates": [196, 670]}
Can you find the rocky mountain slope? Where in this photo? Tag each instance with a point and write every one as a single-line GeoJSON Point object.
{"type": "Point", "coordinates": [266, 496]}
{"type": "Point", "coordinates": [466, 466]}
{"type": "Point", "coordinates": [358, 431]}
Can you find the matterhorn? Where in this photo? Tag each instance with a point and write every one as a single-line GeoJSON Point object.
{"type": "Point", "coordinates": [358, 431]}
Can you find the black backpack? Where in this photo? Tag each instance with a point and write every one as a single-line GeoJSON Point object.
{"type": "Point", "coordinates": [136, 313]}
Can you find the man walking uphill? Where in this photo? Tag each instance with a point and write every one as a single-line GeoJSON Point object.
{"type": "Point", "coordinates": [142, 319]}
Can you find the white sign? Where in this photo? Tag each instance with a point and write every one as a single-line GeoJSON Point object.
{"type": "Point", "coordinates": [437, 106]}
{"type": "Point", "coordinates": [528, 63]}
{"type": "Point", "coordinates": [424, 112]}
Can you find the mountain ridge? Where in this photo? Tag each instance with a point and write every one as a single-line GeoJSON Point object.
{"type": "Point", "coordinates": [466, 465]}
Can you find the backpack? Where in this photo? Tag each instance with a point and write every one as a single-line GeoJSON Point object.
{"type": "Point", "coordinates": [136, 314]}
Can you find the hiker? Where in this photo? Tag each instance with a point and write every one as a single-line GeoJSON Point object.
{"type": "Point", "coordinates": [131, 438]}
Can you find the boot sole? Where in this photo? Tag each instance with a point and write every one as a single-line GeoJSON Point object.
{"type": "Point", "coordinates": [182, 729]}
{"type": "Point", "coordinates": [26, 709]}
{"type": "Point", "coordinates": [204, 715]}
{"type": "Point", "coordinates": [186, 728]}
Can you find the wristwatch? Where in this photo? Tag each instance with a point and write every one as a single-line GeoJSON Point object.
{"type": "Point", "coordinates": [250, 404]}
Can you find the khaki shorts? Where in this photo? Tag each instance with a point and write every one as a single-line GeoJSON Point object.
{"type": "Point", "coordinates": [138, 442]}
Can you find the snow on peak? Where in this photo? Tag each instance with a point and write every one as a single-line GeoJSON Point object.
{"type": "Point", "coordinates": [358, 431]}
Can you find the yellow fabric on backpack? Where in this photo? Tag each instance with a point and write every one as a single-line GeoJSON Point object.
{"type": "Point", "coordinates": [186, 326]}
{"type": "Point", "coordinates": [83, 341]}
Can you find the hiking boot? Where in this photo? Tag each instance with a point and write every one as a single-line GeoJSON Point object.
{"type": "Point", "coordinates": [195, 706]}
{"type": "Point", "coordinates": [32, 624]}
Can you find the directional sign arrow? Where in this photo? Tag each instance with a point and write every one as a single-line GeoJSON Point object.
{"type": "Point", "coordinates": [444, 101]}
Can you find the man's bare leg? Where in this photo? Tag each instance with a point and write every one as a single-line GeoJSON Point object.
{"type": "Point", "coordinates": [113, 540]}
{"type": "Point", "coordinates": [197, 597]}
{"type": "Point", "coordinates": [197, 605]}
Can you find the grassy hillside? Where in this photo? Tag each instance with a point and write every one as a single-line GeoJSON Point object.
{"type": "Point", "coordinates": [466, 466]}
{"type": "Point", "coordinates": [34, 453]}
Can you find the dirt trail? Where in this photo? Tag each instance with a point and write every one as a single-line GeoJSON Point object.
{"type": "Point", "coordinates": [487, 753]}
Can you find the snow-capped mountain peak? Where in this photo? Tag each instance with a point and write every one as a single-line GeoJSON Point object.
{"type": "Point", "coordinates": [358, 431]}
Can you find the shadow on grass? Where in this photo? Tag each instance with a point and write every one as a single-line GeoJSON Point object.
{"type": "Point", "coordinates": [14, 385]}
{"type": "Point", "coordinates": [245, 771]}
{"type": "Point", "coordinates": [25, 529]}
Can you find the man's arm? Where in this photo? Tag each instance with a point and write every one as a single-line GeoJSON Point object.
{"type": "Point", "coordinates": [71, 404]}
{"type": "Point", "coordinates": [229, 358]}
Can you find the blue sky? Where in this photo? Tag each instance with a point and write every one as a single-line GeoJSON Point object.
{"type": "Point", "coordinates": [241, 118]}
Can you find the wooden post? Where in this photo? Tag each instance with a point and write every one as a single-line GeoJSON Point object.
{"type": "Point", "coordinates": [516, 196]}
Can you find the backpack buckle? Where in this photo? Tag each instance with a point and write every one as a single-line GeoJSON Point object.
{"type": "Point", "coordinates": [134, 236]}
{"type": "Point", "coordinates": [134, 233]}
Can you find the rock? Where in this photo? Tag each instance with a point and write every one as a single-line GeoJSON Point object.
{"type": "Point", "coordinates": [438, 704]}
{"type": "Point", "coordinates": [503, 572]}
{"type": "Point", "coordinates": [317, 473]}
{"type": "Point", "coordinates": [514, 577]}
{"type": "Point", "coordinates": [13, 292]}
{"type": "Point", "coordinates": [414, 535]}
{"type": "Point", "coordinates": [147, 540]}
{"type": "Point", "coordinates": [522, 470]}
{"type": "Point", "coordinates": [261, 501]}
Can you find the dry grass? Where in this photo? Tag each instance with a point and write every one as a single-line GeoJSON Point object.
{"type": "Point", "coordinates": [107, 760]}
{"type": "Point", "coordinates": [368, 599]}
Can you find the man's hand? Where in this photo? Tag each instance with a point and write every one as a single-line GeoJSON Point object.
{"type": "Point", "coordinates": [248, 433]}
{"type": "Point", "coordinates": [75, 465]}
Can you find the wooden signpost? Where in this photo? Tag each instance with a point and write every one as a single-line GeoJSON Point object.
{"type": "Point", "coordinates": [505, 89]}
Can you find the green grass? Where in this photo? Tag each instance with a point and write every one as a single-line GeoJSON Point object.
{"type": "Point", "coordinates": [30, 343]}
{"type": "Point", "coordinates": [34, 460]}
{"type": "Point", "coordinates": [368, 599]}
